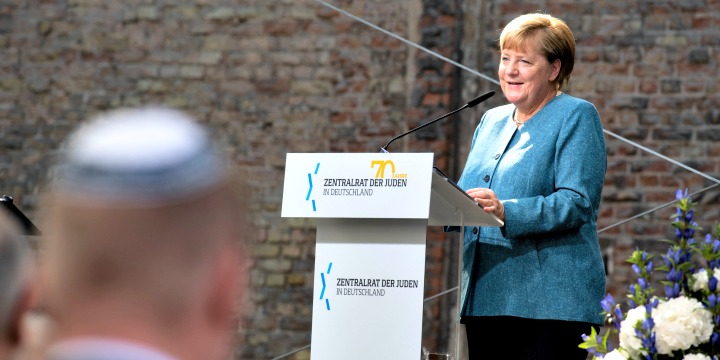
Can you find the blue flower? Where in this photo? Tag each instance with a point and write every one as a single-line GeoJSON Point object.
{"type": "Point", "coordinates": [673, 291]}
{"type": "Point", "coordinates": [674, 256]}
{"type": "Point", "coordinates": [619, 314]}
{"type": "Point", "coordinates": [655, 302]}
{"type": "Point", "coordinates": [608, 303]}
{"type": "Point", "coordinates": [674, 275]}
{"type": "Point", "coordinates": [679, 195]}
{"type": "Point", "coordinates": [686, 255]}
{"type": "Point", "coordinates": [688, 233]}
{"type": "Point", "coordinates": [648, 324]}
{"type": "Point", "coordinates": [689, 216]}
{"type": "Point", "coordinates": [636, 269]}
{"type": "Point", "coordinates": [652, 349]}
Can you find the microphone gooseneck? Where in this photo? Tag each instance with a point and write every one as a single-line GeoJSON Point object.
{"type": "Point", "coordinates": [479, 99]}
{"type": "Point", "coordinates": [472, 103]}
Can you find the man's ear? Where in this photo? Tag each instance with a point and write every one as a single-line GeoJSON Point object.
{"type": "Point", "coordinates": [225, 289]}
{"type": "Point", "coordinates": [26, 301]}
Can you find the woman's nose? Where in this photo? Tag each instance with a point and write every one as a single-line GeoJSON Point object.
{"type": "Point", "coordinates": [510, 68]}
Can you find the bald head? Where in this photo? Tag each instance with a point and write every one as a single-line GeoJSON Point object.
{"type": "Point", "coordinates": [141, 206]}
{"type": "Point", "coordinates": [148, 156]}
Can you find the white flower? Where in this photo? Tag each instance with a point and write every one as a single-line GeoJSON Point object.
{"type": "Point", "coordinates": [628, 340]}
{"type": "Point", "coordinates": [696, 357]}
{"type": "Point", "coordinates": [681, 323]}
{"type": "Point", "coordinates": [615, 355]}
{"type": "Point", "coordinates": [700, 280]}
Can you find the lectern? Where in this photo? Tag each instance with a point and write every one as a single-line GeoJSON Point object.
{"type": "Point", "coordinates": [372, 213]}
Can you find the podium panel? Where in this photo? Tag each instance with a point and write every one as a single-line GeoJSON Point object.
{"type": "Point", "coordinates": [368, 293]}
{"type": "Point", "coordinates": [373, 210]}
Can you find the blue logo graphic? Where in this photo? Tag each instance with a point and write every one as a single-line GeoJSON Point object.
{"type": "Point", "coordinates": [310, 188]}
{"type": "Point", "coordinates": [322, 293]}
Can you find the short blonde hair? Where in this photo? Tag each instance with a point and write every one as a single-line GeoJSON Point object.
{"type": "Point", "coordinates": [554, 39]}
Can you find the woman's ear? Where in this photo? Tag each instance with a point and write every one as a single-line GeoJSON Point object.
{"type": "Point", "coordinates": [555, 69]}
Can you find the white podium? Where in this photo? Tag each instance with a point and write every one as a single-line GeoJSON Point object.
{"type": "Point", "coordinates": [373, 210]}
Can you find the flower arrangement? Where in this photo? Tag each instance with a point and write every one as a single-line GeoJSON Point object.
{"type": "Point", "coordinates": [682, 325]}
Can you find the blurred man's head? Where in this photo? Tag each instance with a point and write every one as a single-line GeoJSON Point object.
{"type": "Point", "coordinates": [145, 224]}
{"type": "Point", "coordinates": [16, 283]}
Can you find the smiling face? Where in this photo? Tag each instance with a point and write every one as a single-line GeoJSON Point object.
{"type": "Point", "coordinates": [527, 78]}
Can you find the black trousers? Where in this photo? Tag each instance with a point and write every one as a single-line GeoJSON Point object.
{"type": "Point", "coordinates": [508, 337]}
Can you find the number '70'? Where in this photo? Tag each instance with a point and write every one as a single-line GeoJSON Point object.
{"type": "Point", "coordinates": [381, 169]}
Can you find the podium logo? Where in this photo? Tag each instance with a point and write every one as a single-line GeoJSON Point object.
{"type": "Point", "coordinates": [324, 287]}
{"type": "Point", "coordinates": [383, 166]}
{"type": "Point", "coordinates": [310, 186]}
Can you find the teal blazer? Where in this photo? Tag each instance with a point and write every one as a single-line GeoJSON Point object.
{"type": "Point", "coordinates": [545, 263]}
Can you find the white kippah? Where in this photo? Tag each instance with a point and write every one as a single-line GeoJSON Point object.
{"type": "Point", "coordinates": [151, 154]}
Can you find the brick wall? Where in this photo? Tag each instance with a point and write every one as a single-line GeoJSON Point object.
{"type": "Point", "coordinates": [272, 77]}
{"type": "Point", "coordinates": [268, 77]}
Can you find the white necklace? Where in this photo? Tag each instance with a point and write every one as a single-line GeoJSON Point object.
{"type": "Point", "coordinates": [520, 123]}
{"type": "Point", "coordinates": [516, 121]}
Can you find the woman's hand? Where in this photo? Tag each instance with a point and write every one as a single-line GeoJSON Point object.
{"type": "Point", "coordinates": [489, 201]}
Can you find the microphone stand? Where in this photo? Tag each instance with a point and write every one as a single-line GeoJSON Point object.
{"type": "Point", "coordinates": [469, 104]}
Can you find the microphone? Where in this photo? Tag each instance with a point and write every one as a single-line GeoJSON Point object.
{"type": "Point", "coordinates": [26, 226]}
{"type": "Point", "coordinates": [472, 103]}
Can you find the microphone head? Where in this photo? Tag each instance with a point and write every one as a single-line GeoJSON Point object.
{"type": "Point", "coordinates": [480, 98]}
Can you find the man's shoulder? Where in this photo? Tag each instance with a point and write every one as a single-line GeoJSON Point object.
{"type": "Point", "coordinates": [101, 348]}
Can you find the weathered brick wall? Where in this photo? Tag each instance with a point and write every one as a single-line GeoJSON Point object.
{"type": "Point", "coordinates": [434, 93]}
{"type": "Point", "coordinates": [268, 77]}
{"type": "Point", "coordinates": [272, 77]}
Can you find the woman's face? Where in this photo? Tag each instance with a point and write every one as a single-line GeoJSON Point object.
{"type": "Point", "coordinates": [526, 78]}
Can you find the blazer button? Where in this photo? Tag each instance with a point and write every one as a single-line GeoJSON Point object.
{"type": "Point", "coordinates": [497, 156]}
{"type": "Point", "coordinates": [487, 178]}
{"type": "Point", "coordinates": [475, 229]}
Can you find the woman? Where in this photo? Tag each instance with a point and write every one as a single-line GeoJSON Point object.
{"type": "Point", "coordinates": [538, 164]}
